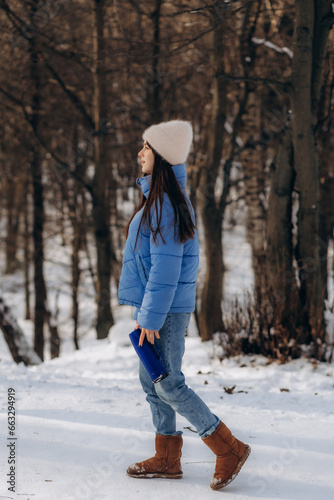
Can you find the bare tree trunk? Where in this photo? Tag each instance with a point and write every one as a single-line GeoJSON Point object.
{"type": "Point", "coordinates": [77, 219]}
{"type": "Point", "coordinates": [322, 102]}
{"type": "Point", "coordinates": [27, 256]}
{"type": "Point", "coordinates": [307, 168]}
{"type": "Point", "coordinates": [326, 161]}
{"type": "Point", "coordinates": [253, 166]}
{"type": "Point", "coordinates": [39, 283]}
{"type": "Point", "coordinates": [115, 225]}
{"type": "Point", "coordinates": [53, 330]}
{"type": "Point", "coordinates": [62, 218]}
{"type": "Point", "coordinates": [156, 94]}
{"type": "Point", "coordinates": [323, 22]}
{"type": "Point", "coordinates": [308, 49]}
{"type": "Point", "coordinates": [101, 210]}
{"type": "Point", "coordinates": [279, 251]}
{"type": "Point", "coordinates": [38, 197]}
{"type": "Point", "coordinates": [212, 211]}
{"type": "Point", "coordinates": [210, 314]}
{"type": "Point", "coordinates": [69, 196]}
{"type": "Point", "coordinates": [76, 244]}
{"type": "Point", "coordinates": [17, 343]}
{"type": "Point", "coordinates": [326, 227]}
{"type": "Point", "coordinates": [12, 202]}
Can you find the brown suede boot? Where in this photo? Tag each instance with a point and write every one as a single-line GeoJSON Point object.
{"type": "Point", "coordinates": [166, 462]}
{"type": "Point", "coordinates": [231, 455]}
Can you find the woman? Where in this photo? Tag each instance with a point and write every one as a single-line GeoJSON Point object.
{"type": "Point", "coordinates": [160, 266]}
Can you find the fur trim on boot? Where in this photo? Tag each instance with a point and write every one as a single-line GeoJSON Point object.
{"type": "Point", "coordinates": [231, 455]}
{"type": "Point", "coordinates": [166, 462]}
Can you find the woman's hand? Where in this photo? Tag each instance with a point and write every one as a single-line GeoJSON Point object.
{"type": "Point", "coordinates": [150, 334]}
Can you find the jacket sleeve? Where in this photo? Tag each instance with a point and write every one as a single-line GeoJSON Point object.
{"type": "Point", "coordinates": [135, 313]}
{"type": "Point", "coordinates": [166, 262]}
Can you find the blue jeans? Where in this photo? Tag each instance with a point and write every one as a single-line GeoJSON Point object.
{"type": "Point", "coordinates": [172, 394]}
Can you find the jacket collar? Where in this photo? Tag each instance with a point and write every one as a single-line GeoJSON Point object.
{"type": "Point", "coordinates": [180, 173]}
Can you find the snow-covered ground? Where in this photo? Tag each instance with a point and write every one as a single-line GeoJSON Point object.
{"type": "Point", "coordinates": [83, 418]}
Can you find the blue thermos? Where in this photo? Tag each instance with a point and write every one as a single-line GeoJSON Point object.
{"type": "Point", "coordinates": [150, 356]}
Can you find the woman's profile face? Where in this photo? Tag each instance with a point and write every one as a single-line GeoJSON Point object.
{"type": "Point", "coordinates": [147, 159]}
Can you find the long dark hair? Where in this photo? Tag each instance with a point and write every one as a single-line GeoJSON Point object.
{"type": "Point", "coordinates": [163, 180]}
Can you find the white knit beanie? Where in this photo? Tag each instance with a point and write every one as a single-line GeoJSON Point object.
{"type": "Point", "coordinates": [172, 140]}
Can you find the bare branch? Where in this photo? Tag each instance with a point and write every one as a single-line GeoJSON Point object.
{"type": "Point", "coordinates": [12, 98]}
{"type": "Point", "coordinates": [73, 97]}
{"type": "Point", "coordinates": [140, 11]}
{"type": "Point", "coordinates": [65, 166]}
{"type": "Point", "coordinates": [239, 78]}
{"type": "Point", "coordinates": [189, 42]}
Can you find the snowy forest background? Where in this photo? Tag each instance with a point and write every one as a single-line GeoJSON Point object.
{"type": "Point", "coordinates": [79, 82]}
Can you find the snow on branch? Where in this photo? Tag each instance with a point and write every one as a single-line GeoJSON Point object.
{"type": "Point", "coordinates": [270, 45]}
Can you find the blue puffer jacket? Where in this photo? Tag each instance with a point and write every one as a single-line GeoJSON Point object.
{"type": "Point", "coordinates": [158, 278]}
